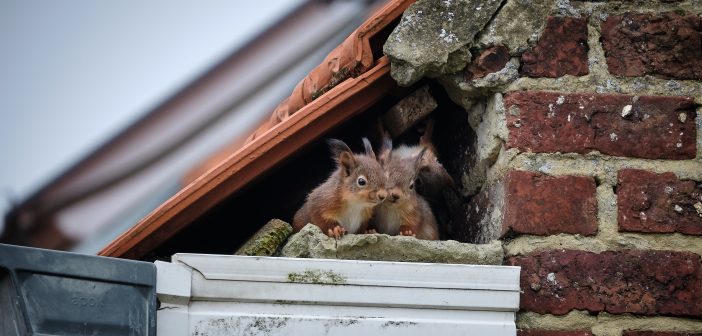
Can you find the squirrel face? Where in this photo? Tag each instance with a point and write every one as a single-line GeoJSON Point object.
{"type": "Point", "coordinates": [402, 173]}
{"type": "Point", "coordinates": [362, 178]}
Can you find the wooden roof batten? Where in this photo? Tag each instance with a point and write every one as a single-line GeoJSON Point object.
{"type": "Point", "coordinates": [296, 122]}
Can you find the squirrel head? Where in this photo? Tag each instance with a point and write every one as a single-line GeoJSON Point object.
{"type": "Point", "coordinates": [402, 173]}
{"type": "Point", "coordinates": [362, 178]}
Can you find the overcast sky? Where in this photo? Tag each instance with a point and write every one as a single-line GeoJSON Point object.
{"type": "Point", "coordinates": [74, 73]}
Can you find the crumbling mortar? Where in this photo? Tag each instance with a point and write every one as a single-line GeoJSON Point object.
{"type": "Point", "coordinates": [605, 324]}
{"type": "Point", "coordinates": [597, 61]}
{"type": "Point", "coordinates": [603, 167]}
{"type": "Point", "coordinates": [599, 82]}
{"type": "Point", "coordinates": [528, 244]}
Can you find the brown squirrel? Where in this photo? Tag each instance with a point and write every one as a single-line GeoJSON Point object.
{"type": "Point", "coordinates": [434, 183]}
{"type": "Point", "coordinates": [345, 201]}
{"type": "Point", "coordinates": [404, 212]}
{"type": "Point", "coordinates": [433, 178]}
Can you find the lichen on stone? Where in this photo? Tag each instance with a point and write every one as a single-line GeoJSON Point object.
{"type": "Point", "coordinates": [434, 37]}
{"type": "Point", "coordinates": [518, 24]}
{"type": "Point", "coordinates": [310, 242]}
{"type": "Point", "coordinates": [267, 240]}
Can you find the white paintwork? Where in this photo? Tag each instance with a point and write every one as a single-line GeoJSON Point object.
{"type": "Point", "coordinates": [173, 284]}
{"type": "Point", "coordinates": [238, 295]}
{"type": "Point", "coordinates": [173, 280]}
{"type": "Point", "coordinates": [356, 272]}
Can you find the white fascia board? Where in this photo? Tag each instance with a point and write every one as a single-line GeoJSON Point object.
{"type": "Point", "coordinates": [240, 295]}
{"type": "Point", "coordinates": [355, 272]}
{"type": "Point", "coordinates": [342, 295]}
{"type": "Point", "coordinates": [223, 319]}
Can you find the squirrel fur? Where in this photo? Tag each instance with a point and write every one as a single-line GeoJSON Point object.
{"type": "Point", "coordinates": [404, 211]}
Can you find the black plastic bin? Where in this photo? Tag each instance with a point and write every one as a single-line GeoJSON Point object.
{"type": "Point", "coordinates": [44, 292]}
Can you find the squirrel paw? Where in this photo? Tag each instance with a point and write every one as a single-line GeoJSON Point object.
{"type": "Point", "coordinates": [371, 231]}
{"type": "Point", "coordinates": [408, 233]}
{"type": "Point", "coordinates": [336, 232]}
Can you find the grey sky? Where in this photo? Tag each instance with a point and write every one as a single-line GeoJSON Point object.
{"type": "Point", "coordinates": [73, 73]}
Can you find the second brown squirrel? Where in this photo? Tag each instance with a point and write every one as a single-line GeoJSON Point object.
{"type": "Point", "coordinates": [404, 212]}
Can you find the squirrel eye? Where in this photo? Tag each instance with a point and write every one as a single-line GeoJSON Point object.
{"type": "Point", "coordinates": [411, 185]}
{"type": "Point", "coordinates": [361, 181]}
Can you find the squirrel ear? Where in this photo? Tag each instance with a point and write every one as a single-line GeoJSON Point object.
{"type": "Point", "coordinates": [347, 162]}
{"type": "Point", "coordinates": [337, 147]}
{"type": "Point", "coordinates": [369, 149]}
{"type": "Point", "coordinates": [343, 155]}
{"type": "Point", "coordinates": [385, 150]}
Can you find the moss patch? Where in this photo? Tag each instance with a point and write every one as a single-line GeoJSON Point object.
{"type": "Point", "coordinates": [267, 240]}
{"type": "Point", "coordinates": [317, 277]}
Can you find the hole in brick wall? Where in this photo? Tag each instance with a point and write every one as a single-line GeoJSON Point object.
{"type": "Point", "coordinates": [598, 181]}
{"type": "Point", "coordinates": [281, 191]}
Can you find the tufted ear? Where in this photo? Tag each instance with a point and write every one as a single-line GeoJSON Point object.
{"type": "Point", "coordinates": [385, 150]}
{"type": "Point", "coordinates": [343, 156]}
{"type": "Point", "coordinates": [368, 148]}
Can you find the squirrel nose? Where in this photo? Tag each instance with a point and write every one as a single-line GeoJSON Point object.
{"type": "Point", "coordinates": [381, 195]}
{"type": "Point", "coordinates": [394, 196]}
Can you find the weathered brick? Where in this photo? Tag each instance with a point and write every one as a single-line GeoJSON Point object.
{"type": "Point", "coordinates": [628, 281]}
{"type": "Point", "coordinates": [490, 60]}
{"type": "Point", "coordinates": [542, 205]}
{"type": "Point", "coordinates": [667, 45]}
{"type": "Point", "coordinates": [561, 50]}
{"type": "Point", "coordinates": [651, 127]}
{"type": "Point", "coordinates": [650, 202]}
{"type": "Point", "coordinates": [542, 332]}
{"type": "Point", "coordinates": [659, 333]}
{"type": "Point", "coordinates": [530, 203]}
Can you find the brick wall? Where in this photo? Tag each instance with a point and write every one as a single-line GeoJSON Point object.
{"type": "Point", "coordinates": [597, 188]}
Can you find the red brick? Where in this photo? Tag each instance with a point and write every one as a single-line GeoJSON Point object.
{"type": "Point", "coordinates": [617, 282]}
{"type": "Point", "coordinates": [543, 205]}
{"type": "Point", "coordinates": [655, 128]}
{"type": "Point", "coordinates": [658, 333]}
{"type": "Point", "coordinates": [490, 60]}
{"type": "Point", "coordinates": [561, 50]}
{"type": "Point", "coordinates": [667, 45]}
{"type": "Point", "coordinates": [542, 332]}
{"type": "Point", "coordinates": [528, 203]}
{"type": "Point", "coordinates": [650, 202]}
